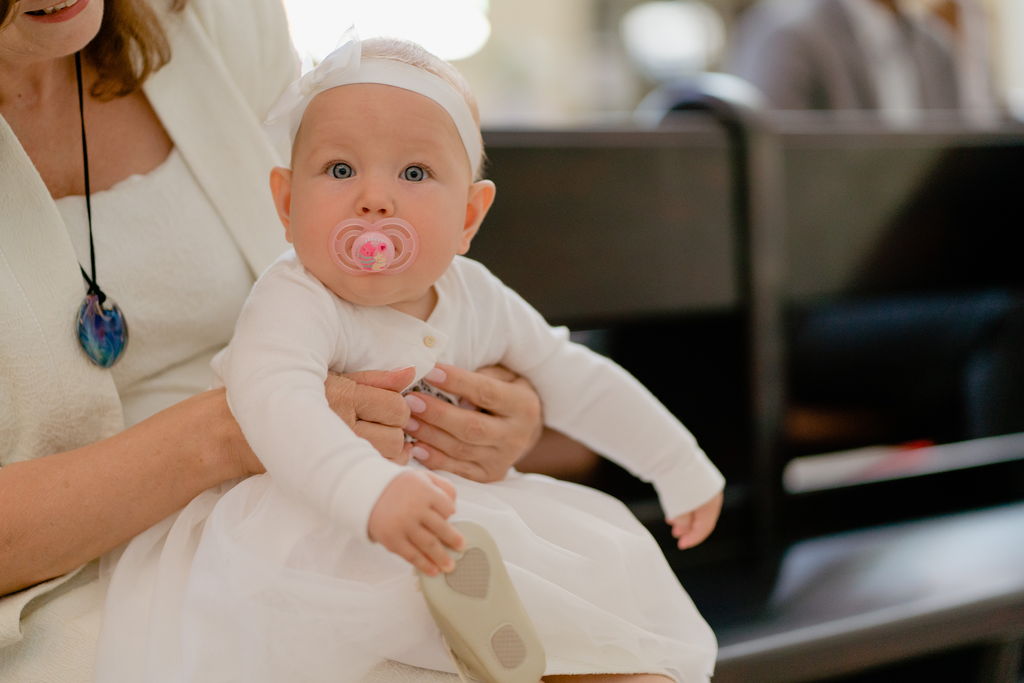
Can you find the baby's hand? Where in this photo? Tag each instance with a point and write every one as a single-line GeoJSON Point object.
{"type": "Point", "coordinates": [410, 520]}
{"type": "Point", "coordinates": [690, 528]}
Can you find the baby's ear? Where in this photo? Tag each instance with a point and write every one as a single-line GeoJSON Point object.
{"type": "Point", "coordinates": [481, 196]}
{"type": "Point", "coordinates": [281, 189]}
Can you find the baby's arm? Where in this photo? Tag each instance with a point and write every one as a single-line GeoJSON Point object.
{"type": "Point", "coordinates": [596, 402]}
{"type": "Point", "coordinates": [286, 338]}
{"type": "Point", "coordinates": [593, 400]}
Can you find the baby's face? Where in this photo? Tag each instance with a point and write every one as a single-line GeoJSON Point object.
{"type": "Point", "coordinates": [374, 151]}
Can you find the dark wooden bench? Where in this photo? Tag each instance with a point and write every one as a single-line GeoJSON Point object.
{"type": "Point", "coordinates": [848, 602]}
{"type": "Point", "coordinates": [574, 205]}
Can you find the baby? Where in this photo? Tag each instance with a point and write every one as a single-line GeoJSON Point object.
{"type": "Point", "coordinates": [292, 579]}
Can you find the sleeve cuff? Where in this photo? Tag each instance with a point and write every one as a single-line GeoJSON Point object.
{"type": "Point", "coordinates": [364, 484]}
{"type": "Point", "coordinates": [690, 484]}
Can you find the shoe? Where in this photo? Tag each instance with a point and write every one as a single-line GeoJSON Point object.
{"type": "Point", "coordinates": [484, 624]}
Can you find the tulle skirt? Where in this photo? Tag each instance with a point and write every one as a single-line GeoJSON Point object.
{"type": "Point", "coordinates": [250, 584]}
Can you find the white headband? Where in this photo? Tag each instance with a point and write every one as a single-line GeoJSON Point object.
{"type": "Point", "coordinates": [345, 66]}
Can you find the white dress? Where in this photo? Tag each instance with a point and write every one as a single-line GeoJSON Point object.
{"type": "Point", "coordinates": [179, 317]}
{"type": "Point", "coordinates": [283, 559]}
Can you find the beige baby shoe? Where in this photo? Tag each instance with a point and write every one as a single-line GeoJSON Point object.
{"type": "Point", "coordinates": [488, 631]}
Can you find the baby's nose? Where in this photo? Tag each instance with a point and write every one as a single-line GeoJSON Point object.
{"type": "Point", "coordinates": [374, 204]}
{"type": "Point", "coordinates": [373, 210]}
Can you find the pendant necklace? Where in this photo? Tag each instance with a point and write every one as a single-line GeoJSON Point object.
{"type": "Point", "coordinates": [102, 328]}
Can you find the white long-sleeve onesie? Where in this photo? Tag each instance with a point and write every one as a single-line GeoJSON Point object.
{"type": "Point", "coordinates": [293, 330]}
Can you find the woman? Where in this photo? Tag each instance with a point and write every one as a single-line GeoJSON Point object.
{"type": "Point", "coordinates": [183, 224]}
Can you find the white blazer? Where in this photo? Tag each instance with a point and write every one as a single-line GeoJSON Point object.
{"type": "Point", "coordinates": [228, 67]}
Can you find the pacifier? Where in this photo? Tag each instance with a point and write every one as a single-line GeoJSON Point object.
{"type": "Point", "coordinates": [359, 246]}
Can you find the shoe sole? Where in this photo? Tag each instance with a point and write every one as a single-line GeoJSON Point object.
{"type": "Point", "coordinates": [479, 612]}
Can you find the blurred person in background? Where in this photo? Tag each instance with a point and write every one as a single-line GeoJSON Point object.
{"type": "Point", "coordinates": [899, 58]}
{"type": "Point", "coordinates": [945, 366]}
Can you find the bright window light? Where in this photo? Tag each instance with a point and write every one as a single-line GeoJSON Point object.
{"type": "Point", "coordinates": [672, 38]}
{"type": "Point", "coordinates": [451, 29]}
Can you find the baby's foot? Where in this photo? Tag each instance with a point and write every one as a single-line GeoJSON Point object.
{"type": "Point", "coordinates": [479, 612]}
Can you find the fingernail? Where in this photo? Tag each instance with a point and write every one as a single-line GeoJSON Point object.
{"type": "Point", "coordinates": [415, 403]}
{"type": "Point", "coordinates": [419, 453]}
{"type": "Point", "coordinates": [412, 425]}
{"type": "Point", "coordinates": [404, 367]}
{"type": "Point", "coordinates": [436, 375]}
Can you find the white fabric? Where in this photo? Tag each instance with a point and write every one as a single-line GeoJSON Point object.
{"type": "Point", "coordinates": [52, 398]}
{"type": "Point", "coordinates": [286, 554]}
{"type": "Point", "coordinates": [345, 66]}
{"type": "Point", "coordinates": [164, 256]}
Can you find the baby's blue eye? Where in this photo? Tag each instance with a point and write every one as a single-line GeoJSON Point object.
{"type": "Point", "coordinates": [341, 170]}
{"type": "Point", "coordinates": [414, 173]}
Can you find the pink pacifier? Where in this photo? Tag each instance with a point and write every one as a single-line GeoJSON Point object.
{"type": "Point", "coordinates": [359, 246]}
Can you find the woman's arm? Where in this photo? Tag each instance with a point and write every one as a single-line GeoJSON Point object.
{"type": "Point", "coordinates": [556, 455]}
{"type": "Point", "coordinates": [60, 511]}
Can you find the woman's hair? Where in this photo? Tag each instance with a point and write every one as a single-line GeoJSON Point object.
{"type": "Point", "coordinates": [414, 55]}
{"type": "Point", "coordinates": [130, 45]}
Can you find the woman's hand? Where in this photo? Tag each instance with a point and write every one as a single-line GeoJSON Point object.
{"type": "Point", "coordinates": [369, 403]}
{"type": "Point", "coordinates": [479, 444]}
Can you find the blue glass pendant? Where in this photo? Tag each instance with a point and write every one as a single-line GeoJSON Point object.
{"type": "Point", "coordinates": [102, 330]}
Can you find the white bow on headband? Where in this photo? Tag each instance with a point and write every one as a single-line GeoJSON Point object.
{"type": "Point", "coordinates": [345, 66]}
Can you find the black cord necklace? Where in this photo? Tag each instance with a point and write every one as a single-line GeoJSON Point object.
{"type": "Point", "coordinates": [102, 328]}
